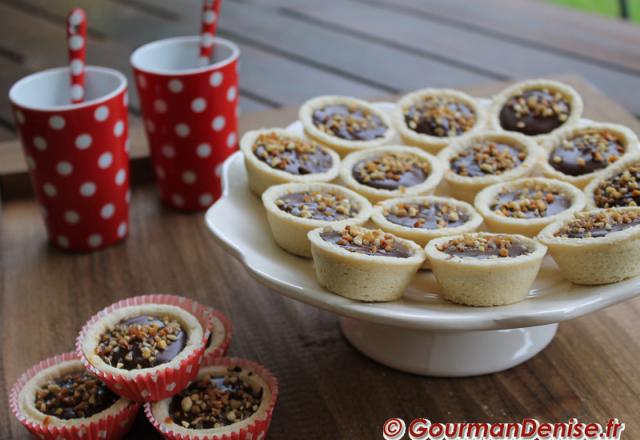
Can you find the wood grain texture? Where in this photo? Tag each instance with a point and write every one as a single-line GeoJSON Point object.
{"type": "Point", "coordinates": [329, 391]}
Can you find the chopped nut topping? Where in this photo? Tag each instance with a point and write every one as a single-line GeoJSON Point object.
{"type": "Point", "coordinates": [542, 103]}
{"type": "Point", "coordinates": [391, 167]}
{"type": "Point", "coordinates": [484, 246]}
{"type": "Point", "coordinates": [439, 116]}
{"type": "Point", "coordinates": [216, 401]}
{"type": "Point", "coordinates": [487, 158]}
{"type": "Point", "coordinates": [590, 150]}
{"type": "Point", "coordinates": [599, 223]}
{"type": "Point", "coordinates": [318, 205]}
{"type": "Point", "coordinates": [620, 190]}
{"type": "Point", "coordinates": [349, 122]}
{"type": "Point", "coordinates": [426, 215]}
{"type": "Point", "coordinates": [291, 154]}
{"type": "Point", "coordinates": [535, 200]}
{"type": "Point", "coordinates": [74, 395]}
{"type": "Point", "coordinates": [367, 241]}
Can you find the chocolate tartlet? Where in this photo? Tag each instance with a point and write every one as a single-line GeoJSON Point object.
{"type": "Point", "coordinates": [345, 124]}
{"type": "Point", "coordinates": [478, 161]}
{"type": "Point", "coordinates": [536, 108]}
{"type": "Point", "coordinates": [220, 336]}
{"type": "Point", "coordinates": [392, 171]}
{"type": "Point", "coordinates": [526, 206]}
{"type": "Point", "coordinates": [432, 118]}
{"type": "Point", "coordinates": [421, 219]}
{"type": "Point", "coordinates": [364, 264]}
{"type": "Point", "coordinates": [483, 269]}
{"type": "Point", "coordinates": [596, 247]}
{"type": "Point", "coordinates": [274, 156]}
{"type": "Point", "coordinates": [578, 154]}
{"type": "Point", "coordinates": [617, 186]}
{"type": "Point", "coordinates": [294, 209]}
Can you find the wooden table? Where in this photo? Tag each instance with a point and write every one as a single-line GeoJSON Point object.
{"type": "Point", "coordinates": [328, 390]}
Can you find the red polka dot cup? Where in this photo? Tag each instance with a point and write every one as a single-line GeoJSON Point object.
{"type": "Point", "coordinates": [77, 154]}
{"type": "Point", "coordinates": [190, 116]}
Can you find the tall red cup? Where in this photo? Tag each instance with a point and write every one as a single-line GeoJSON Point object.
{"type": "Point", "coordinates": [190, 116]}
{"type": "Point", "coordinates": [77, 154]}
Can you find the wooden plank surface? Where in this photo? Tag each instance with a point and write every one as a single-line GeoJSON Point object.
{"type": "Point", "coordinates": [328, 390]}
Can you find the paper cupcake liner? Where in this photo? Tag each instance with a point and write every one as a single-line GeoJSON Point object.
{"type": "Point", "coordinates": [256, 430]}
{"type": "Point", "coordinates": [221, 349]}
{"type": "Point", "coordinates": [165, 380]}
{"type": "Point", "coordinates": [113, 426]}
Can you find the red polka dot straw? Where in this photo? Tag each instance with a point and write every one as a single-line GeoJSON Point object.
{"type": "Point", "coordinates": [76, 43]}
{"type": "Point", "coordinates": [210, 13]}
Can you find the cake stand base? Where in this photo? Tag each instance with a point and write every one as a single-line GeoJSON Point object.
{"type": "Point", "coordinates": [447, 354]}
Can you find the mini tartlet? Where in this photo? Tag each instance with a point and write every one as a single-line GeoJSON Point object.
{"type": "Point", "coordinates": [600, 246]}
{"type": "Point", "coordinates": [483, 269]}
{"type": "Point", "coordinates": [423, 218]}
{"type": "Point", "coordinates": [345, 124]}
{"type": "Point", "coordinates": [294, 209]}
{"type": "Point", "coordinates": [273, 156]}
{"type": "Point", "coordinates": [230, 399]}
{"type": "Point", "coordinates": [578, 154]}
{"type": "Point", "coordinates": [364, 264]}
{"type": "Point", "coordinates": [146, 348]}
{"type": "Point", "coordinates": [58, 398]}
{"type": "Point", "coordinates": [220, 335]}
{"type": "Point", "coordinates": [392, 171]}
{"type": "Point", "coordinates": [432, 118]}
{"type": "Point", "coordinates": [526, 206]}
{"type": "Point", "coordinates": [617, 186]}
{"type": "Point", "coordinates": [481, 160]}
{"type": "Point", "coordinates": [536, 108]}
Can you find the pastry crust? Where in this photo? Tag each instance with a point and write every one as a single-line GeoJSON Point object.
{"type": "Point", "coordinates": [27, 397]}
{"type": "Point", "coordinates": [188, 322]}
{"type": "Point", "coordinates": [485, 282]}
{"type": "Point", "coordinates": [375, 194]}
{"type": "Point", "coordinates": [611, 171]}
{"type": "Point", "coordinates": [466, 187]}
{"type": "Point", "coordinates": [218, 336]}
{"type": "Point", "coordinates": [525, 226]}
{"type": "Point", "coordinates": [628, 138]}
{"type": "Point", "coordinates": [595, 260]}
{"type": "Point", "coordinates": [160, 410]}
{"type": "Point", "coordinates": [363, 277]}
{"type": "Point", "coordinates": [342, 146]}
{"type": "Point", "coordinates": [261, 176]}
{"type": "Point", "coordinates": [290, 232]}
{"type": "Point", "coordinates": [574, 98]}
{"type": "Point", "coordinates": [429, 143]}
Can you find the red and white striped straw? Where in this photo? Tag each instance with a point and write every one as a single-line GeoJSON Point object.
{"type": "Point", "coordinates": [76, 44]}
{"type": "Point", "coordinates": [210, 14]}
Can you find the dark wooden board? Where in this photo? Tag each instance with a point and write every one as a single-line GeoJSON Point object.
{"type": "Point", "coordinates": [328, 390]}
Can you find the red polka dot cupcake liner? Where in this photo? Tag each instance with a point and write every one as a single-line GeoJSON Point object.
{"type": "Point", "coordinates": [190, 116]}
{"type": "Point", "coordinates": [219, 345]}
{"type": "Point", "coordinates": [255, 430]}
{"type": "Point", "coordinates": [164, 380]}
{"type": "Point", "coordinates": [113, 426]}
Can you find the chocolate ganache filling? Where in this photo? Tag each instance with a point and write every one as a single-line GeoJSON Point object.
{"type": "Point", "coordinates": [598, 224]}
{"type": "Point", "coordinates": [586, 153]}
{"type": "Point", "coordinates": [142, 342]}
{"type": "Point", "coordinates": [535, 111]}
{"type": "Point", "coordinates": [440, 117]}
{"type": "Point", "coordinates": [487, 158]}
{"type": "Point", "coordinates": [391, 171]}
{"type": "Point", "coordinates": [295, 156]}
{"type": "Point", "coordinates": [531, 202]}
{"type": "Point", "coordinates": [317, 205]}
{"type": "Point", "coordinates": [74, 395]}
{"type": "Point", "coordinates": [484, 247]}
{"type": "Point", "coordinates": [619, 190]}
{"type": "Point", "coordinates": [368, 242]}
{"type": "Point", "coordinates": [349, 122]}
{"type": "Point", "coordinates": [426, 215]}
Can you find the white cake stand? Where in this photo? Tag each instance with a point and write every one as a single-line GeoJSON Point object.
{"type": "Point", "coordinates": [421, 333]}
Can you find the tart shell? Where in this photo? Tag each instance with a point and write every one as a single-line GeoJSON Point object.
{"type": "Point", "coordinates": [261, 176]}
{"type": "Point", "coordinates": [290, 232]}
{"type": "Point", "coordinates": [375, 194]}
{"type": "Point", "coordinates": [342, 146]}
{"type": "Point", "coordinates": [113, 422]}
{"type": "Point", "coordinates": [529, 226]}
{"type": "Point", "coordinates": [464, 187]}
{"type": "Point", "coordinates": [628, 138]}
{"type": "Point", "coordinates": [593, 261]}
{"type": "Point", "coordinates": [575, 101]}
{"type": "Point", "coordinates": [485, 282]}
{"type": "Point", "coordinates": [221, 333]}
{"type": "Point", "coordinates": [254, 427]}
{"type": "Point", "coordinates": [161, 381]}
{"type": "Point", "coordinates": [363, 277]}
{"type": "Point", "coordinates": [433, 144]}
{"type": "Point", "coordinates": [606, 174]}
